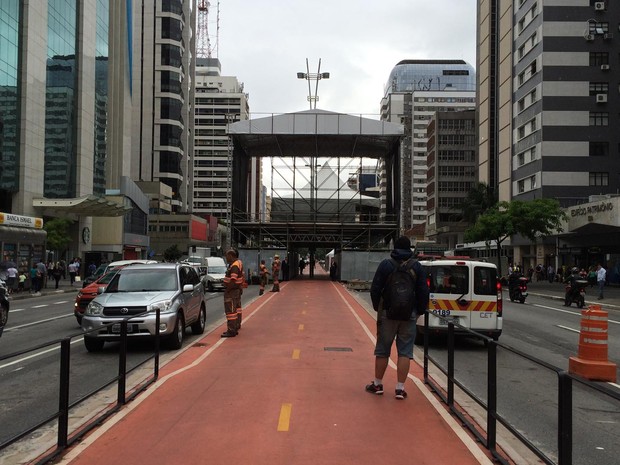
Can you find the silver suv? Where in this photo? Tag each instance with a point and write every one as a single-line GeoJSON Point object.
{"type": "Point", "coordinates": [175, 289]}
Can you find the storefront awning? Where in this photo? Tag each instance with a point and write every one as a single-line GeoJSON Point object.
{"type": "Point", "coordinates": [88, 205]}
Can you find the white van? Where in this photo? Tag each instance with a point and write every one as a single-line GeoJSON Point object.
{"type": "Point", "coordinates": [215, 273]}
{"type": "Point", "coordinates": [465, 291]}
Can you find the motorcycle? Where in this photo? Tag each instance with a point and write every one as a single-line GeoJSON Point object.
{"type": "Point", "coordinates": [517, 289]}
{"type": "Point", "coordinates": [576, 293]}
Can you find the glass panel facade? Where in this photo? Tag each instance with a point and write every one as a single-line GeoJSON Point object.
{"type": "Point", "coordinates": [9, 120]}
{"type": "Point", "coordinates": [431, 75]}
{"type": "Point", "coordinates": [60, 104]}
{"type": "Point", "coordinates": [101, 96]}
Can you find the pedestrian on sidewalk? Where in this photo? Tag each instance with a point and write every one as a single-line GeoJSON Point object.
{"type": "Point", "coordinates": [57, 273]}
{"type": "Point", "coordinates": [601, 275]}
{"type": "Point", "coordinates": [389, 329]}
{"type": "Point", "coordinates": [73, 269]}
{"type": "Point", "coordinates": [264, 277]}
{"type": "Point", "coordinates": [11, 279]}
{"type": "Point", "coordinates": [233, 288]}
{"type": "Point", "coordinates": [275, 272]}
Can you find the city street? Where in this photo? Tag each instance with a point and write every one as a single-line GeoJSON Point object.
{"type": "Point", "coordinates": [30, 380]}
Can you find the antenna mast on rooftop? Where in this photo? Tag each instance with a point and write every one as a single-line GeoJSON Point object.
{"type": "Point", "coordinates": [204, 47]}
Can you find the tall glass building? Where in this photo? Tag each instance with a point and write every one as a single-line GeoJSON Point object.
{"type": "Point", "coordinates": [54, 119]}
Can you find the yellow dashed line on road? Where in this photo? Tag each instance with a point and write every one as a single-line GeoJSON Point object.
{"type": "Point", "coordinates": [301, 327]}
{"type": "Point", "coordinates": [296, 354]}
{"type": "Point", "coordinates": [285, 417]}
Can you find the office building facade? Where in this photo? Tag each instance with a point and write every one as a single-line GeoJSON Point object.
{"type": "Point", "coordinates": [220, 101]}
{"type": "Point", "coordinates": [163, 67]}
{"type": "Point", "coordinates": [416, 89]}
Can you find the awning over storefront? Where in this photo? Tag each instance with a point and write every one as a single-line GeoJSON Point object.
{"type": "Point", "coordinates": [15, 234]}
{"type": "Point", "coordinates": [88, 205]}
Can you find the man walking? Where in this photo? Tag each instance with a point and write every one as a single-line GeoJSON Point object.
{"type": "Point", "coordinates": [601, 275]}
{"type": "Point", "coordinates": [233, 288]}
{"type": "Point", "coordinates": [389, 329]}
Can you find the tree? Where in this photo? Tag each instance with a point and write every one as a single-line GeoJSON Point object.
{"type": "Point", "coordinates": [58, 237]}
{"type": "Point", "coordinates": [539, 217]}
{"type": "Point", "coordinates": [479, 200]}
{"type": "Point", "coordinates": [172, 253]}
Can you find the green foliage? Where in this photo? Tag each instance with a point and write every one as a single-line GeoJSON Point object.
{"type": "Point", "coordinates": [539, 217]}
{"type": "Point", "coordinates": [478, 201]}
{"type": "Point", "coordinates": [172, 253]}
{"type": "Point", "coordinates": [58, 237]}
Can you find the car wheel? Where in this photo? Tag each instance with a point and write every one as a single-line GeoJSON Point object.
{"type": "Point", "coordinates": [79, 319]}
{"type": "Point", "coordinates": [4, 316]}
{"type": "Point", "coordinates": [522, 300]}
{"type": "Point", "coordinates": [199, 326]}
{"type": "Point", "coordinates": [93, 344]}
{"type": "Point", "coordinates": [175, 340]}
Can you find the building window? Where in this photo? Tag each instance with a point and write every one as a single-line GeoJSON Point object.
{"type": "Point", "coordinates": [598, 28]}
{"type": "Point", "coordinates": [599, 58]}
{"type": "Point", "coordinates": [599, 118]}
{"type": "Point", "coordinates": [599, 179]}
{"type": "Point", "coordinates": [599, 88]}
{"type": "Point", "coordinates": [599, 149]}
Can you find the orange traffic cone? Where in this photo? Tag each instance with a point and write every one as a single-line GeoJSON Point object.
{"type": "Point", "coordinates": [591, 362]}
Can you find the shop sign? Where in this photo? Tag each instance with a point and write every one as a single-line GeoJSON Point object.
{"type": "Point", "coordinates": [8, 219]}
{"type": "Point", "coordinates": [591, 209]}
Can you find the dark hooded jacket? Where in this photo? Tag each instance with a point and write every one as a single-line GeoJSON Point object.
{"type": "Point", "coordinates": [386, 267]}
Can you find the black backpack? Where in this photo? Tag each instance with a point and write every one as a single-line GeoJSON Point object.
{"type": "Point", "coordinates": [399, 292]}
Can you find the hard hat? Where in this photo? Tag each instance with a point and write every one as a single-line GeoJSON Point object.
{"type": "Point", "coordinates": [276, 256]}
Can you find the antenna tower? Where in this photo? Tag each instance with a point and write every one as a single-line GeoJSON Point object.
{"type": "Point", "coordinates": [204, 47]}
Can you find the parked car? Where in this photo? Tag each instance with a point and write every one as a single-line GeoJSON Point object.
{"type": "Point", "coordinates": [216, 271]}
{"type": "Point", "coordinates": [135, 293]}
{"type": "Point", "coordinates": [88, 293]}
{"type": "Point", "coordinates": [4, 305]}
{"type": "Point", "coordinates": [104, 268]}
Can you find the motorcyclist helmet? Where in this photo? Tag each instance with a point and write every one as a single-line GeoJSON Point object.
{"type": "Point", "coordinates": [574, 270]}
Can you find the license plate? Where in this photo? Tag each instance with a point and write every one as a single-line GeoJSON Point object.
{"type": "Point", "coordinates": [444, 321]}
{"type": "Point", "coordinates": [116, 328]}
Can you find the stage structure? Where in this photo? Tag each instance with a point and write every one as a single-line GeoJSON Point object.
{"type": "Point", "coordinates": [316, 197]}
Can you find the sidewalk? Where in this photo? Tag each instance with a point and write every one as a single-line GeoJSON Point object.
{"type": "Point", "coordinates": [64, 285]}
{"type": "Point", "coordinates": [288, 390]}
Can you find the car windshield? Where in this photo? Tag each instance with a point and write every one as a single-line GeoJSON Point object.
{"type": "Point", "coordinates": [217, 269]}
{"type": "Point", "coordinates": [106, 278]}
{"type": "Point", "coordinates": [144, 280]}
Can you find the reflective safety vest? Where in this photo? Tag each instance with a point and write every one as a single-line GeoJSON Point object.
{"type": "Point", "coordinates": [234, 275]}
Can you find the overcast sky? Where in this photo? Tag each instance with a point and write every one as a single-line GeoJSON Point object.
{"type": "Point", "coordinates": [264, 43]}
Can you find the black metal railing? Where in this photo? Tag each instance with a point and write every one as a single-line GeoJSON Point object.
{"type": "Point", "coordinates": [66, 437]}
{"type": "Point", "coordinates": [488, 437]}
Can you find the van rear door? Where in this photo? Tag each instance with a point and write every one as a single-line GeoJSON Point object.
{"type": "Point", "coordinates": [486, 309]}
{"type": "Point", "coordinates": [450, 293]}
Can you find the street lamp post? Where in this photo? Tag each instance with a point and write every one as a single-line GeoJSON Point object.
{"type": "Point", "coordinates": [308, 76]}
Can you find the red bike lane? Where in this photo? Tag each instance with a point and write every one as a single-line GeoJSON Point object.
{"type": "Point", "coordinates": [288, 390]}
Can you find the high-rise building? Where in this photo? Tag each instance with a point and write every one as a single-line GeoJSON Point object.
{"type": "Point", "coordinates": [56, 78]}
{"type": "Point", "coordinates": [220, 100]}
{"type": "Point", "coordinates": [452, 174]}
{"type": "Point", "coordinates": [415, 90]}
{"type": "Point", "coordinates": [163, 96]}
{"type": "Point", "coordinates": [548, 89]}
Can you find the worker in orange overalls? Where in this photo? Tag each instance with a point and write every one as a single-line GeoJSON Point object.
{"type": "Point", "coordinates": [233, 288]}
{"type": "Point", "coordinates": [264, 277]}
{"type": "Point", "coordinates": [275, 272]}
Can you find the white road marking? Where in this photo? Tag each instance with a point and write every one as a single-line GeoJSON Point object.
{"type": "Point", "coordinates": [61, 302]}
{"type": "Point", "coordinates": [37, 322]}
{"type": "Point", "coordinates": [568, 329]}
{"type": "Point", "coordinates": [614, 322]}
{"type": "Point", "coordinates": [615, 385]}
{"type": "Point", "coordinates": [39, 306]}
{"type": "Point", "coordinates": [14, 310]}
{"type": "Point", "coordinates": [38, 354]}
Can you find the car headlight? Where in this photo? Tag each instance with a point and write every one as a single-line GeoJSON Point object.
{"type": "Point", "coordinates": [94, 308]}
{"type": "Point", "coordinates": [163, 306]}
